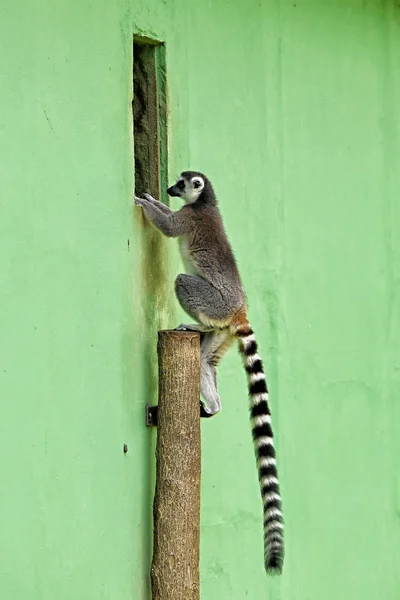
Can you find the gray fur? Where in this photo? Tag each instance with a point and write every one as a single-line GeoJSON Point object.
{"type": "Point", "coordinates": [194, 327]}
{"type": "Point", "coordinates": [212, 340]}
{"type": "Point", "coordinates": [200, 298]}
{"type": "Point", "coordinates": [165, 209]}
{"type": "Point", "coordinates": [168, 223]}
{"type": "Point", "coordinates": [212, 291]}
{"type": "Point", "coordinates": [210, 346]}
{"type": "Point", "coordinates": [214, 287]}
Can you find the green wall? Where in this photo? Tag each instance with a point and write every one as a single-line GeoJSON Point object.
{"type": "Point", "coordinates": [292, 109]}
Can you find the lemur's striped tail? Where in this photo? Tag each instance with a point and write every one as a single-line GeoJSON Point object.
{"type": "Point", "coordinates": [264, 448]}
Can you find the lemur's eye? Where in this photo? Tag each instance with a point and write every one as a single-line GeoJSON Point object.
{"type": "Point", "coordinates": [180, 185]}
{"type": "Point", "coordinates": [196, 184]}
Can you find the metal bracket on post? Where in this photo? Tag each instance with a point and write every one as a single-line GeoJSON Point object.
{"type": "Point", "coordinates": [152, 414]}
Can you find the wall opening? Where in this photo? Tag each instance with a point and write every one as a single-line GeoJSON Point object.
{"type": "Point", "coordinates": [149, 118]}
{"type": "Point", "coordinates": [149, 112]}
{"type": "Point", "coordinates": [150, 167]}
{"type": "Point", "coordinates": [150, 153]}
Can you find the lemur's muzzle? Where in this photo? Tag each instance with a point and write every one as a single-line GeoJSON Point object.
{"type": "Point", "coordinates": [172, 191]}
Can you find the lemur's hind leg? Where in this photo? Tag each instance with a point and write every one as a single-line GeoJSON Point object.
{"type": "Point", "coordinates": [210, 342]}
{"type": "Point", "coordinates": [208, 388]}
{"type": "Point", "coordinates": [212, 348]}
{"type": "Point", "coordinates": [208, 307]}
{"type": "Point", "coordinates": [208, 377]}
{"type": "Point", "coordinates": [202, 301]}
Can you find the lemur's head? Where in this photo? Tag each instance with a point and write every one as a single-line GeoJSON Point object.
{"type": "Point", "coordinates": [190, 186]}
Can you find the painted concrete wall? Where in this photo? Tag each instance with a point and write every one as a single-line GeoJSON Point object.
{"type": "Point", "coordinates": [292, 110]}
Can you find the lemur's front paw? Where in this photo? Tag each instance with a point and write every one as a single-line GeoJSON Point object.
{"type": "Point", "coordinates": [149, 198]}
{"type": "Point", "coordinates": [138, 201]}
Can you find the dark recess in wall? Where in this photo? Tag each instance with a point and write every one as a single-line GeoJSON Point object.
{"type": "Point", "coordinates": [150, 151]}
{"type": "Point", "coordinates": [149, 117]}
{"type": "Point", "coordinates": [150, 169]}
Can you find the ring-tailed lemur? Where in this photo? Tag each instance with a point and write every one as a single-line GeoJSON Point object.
{"type": "Point", "coordinates": [211, 292]}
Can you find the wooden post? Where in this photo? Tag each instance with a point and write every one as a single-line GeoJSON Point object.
{"type": "Point", "coordinates": [175, 566]}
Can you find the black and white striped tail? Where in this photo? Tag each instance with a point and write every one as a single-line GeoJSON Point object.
{"type": "Point", "coordinates": [265, 451]}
